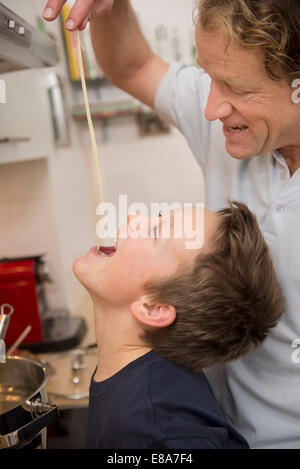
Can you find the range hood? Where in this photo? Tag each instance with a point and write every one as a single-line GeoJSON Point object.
{"type": "Point", "coordinates": [21, 45]}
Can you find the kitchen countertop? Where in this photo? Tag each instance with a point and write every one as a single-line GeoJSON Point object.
{"type": "Point", "coordinates": [60, 374]}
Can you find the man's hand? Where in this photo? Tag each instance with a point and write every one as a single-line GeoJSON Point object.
{"type": "Point", "coordinates": [80, 14]}
{"type": "Point", "coordinates": [120, 47]}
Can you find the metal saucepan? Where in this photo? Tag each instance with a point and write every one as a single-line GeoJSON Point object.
{"type": "Point", "coordinates": [24, 412]}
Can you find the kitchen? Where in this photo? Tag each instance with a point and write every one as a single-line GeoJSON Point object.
{"type": "Point", "coordinates": [49, 191]}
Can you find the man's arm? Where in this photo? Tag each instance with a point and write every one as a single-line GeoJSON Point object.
{"type": "Point", "coordinates": [124, 54]}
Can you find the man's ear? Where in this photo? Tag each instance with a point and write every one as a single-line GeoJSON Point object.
{"type": "Point", "coordinates": [154, 315]}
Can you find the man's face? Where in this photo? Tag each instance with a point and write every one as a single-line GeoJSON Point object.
{"type": "Point", "coordinates": [118, 280]}
{"type": "Point", "coordinates": [242, 95]}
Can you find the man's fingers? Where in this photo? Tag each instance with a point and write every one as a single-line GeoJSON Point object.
{"type": "Point", "coordinates": [83, 25]}
{"type": "Point", "coordinates": [53, 8]}
{"type": "Point", "coordinates": [82, 11]}
{"type": "Point", "coordinates": [78, 14]}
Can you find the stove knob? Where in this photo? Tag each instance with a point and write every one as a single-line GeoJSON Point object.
{"type": "Point", "coordinates": [11, 24]}
{"type": "Point", "coordinates": [20, 30]}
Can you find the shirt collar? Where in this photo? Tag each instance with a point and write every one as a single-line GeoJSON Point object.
{"type": "Point", "coordinates": [280, 158]}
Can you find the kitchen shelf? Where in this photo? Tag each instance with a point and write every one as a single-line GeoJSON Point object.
{"type": "Point", "coordinates": [106, 110]}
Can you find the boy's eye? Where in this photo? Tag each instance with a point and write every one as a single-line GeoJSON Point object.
{"type": "Point", "coordinates": [155, 227]}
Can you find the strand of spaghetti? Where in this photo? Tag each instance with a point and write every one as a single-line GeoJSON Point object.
{"type": "Point", "coordinates": [89, 118]}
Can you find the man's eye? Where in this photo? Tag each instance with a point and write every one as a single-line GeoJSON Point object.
{"type": "Point", "coordinates": [238, 91]}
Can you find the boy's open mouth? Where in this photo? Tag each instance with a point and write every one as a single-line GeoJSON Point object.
{"type": "Point", "coordinates": [106, 250]}
{"type": "Point", "coordinates": [108, 247]}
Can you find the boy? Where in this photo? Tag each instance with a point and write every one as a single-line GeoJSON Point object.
{"type": "Point", "coordinates": [162, 314]}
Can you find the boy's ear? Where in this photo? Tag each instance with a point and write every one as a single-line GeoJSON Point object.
{"type": "Point", "coordinates": [154, 315]}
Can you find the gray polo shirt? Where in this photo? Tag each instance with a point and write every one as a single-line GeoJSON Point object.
{"type": "Point", "coordinates": [260, 393]}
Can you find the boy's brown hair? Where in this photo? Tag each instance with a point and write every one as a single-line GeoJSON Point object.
{"type": "Point", "coordinates": [226, 303]}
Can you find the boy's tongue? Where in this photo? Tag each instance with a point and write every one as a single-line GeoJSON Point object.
{"type": "Point", "coordinates": [107, 249]}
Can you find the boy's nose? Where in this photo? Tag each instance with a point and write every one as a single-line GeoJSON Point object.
{"type": "Point", "coordinates": [139, 223]}
{"type": "Point", "coordinates": [135, 217]}
{"type": "Point", "coordinates": [131, 216]}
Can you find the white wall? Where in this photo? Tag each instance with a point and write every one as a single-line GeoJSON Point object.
{"type": "Point", "coordinates": [170, 13]}
{"type": "Point", "coordinates": [43, 202]}
{"type": "Point", "coordinates": [150, 169]}
{"type": "Point", "coordinates": [49, 205]}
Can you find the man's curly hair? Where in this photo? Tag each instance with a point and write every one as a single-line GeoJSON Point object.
{"type": "Point", "coordinates": [272, 26]}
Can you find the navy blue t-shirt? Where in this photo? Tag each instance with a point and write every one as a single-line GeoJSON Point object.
{"type": "Point", "coordinates": [153, 403]}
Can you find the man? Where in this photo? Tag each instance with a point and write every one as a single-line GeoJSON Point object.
{"type": "Point", "coordinates": [241, 116]}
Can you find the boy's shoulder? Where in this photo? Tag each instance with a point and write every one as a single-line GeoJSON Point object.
{"type": "Point", "coordinates": [164, 385]}
{"type": "Point", "coordinates": [183, 403]}
{"type": "Point", "coordinates": [171, 386]}
{"type": "Point", "coordinates": [158, 404]}
{"type": "Point", "coordinates": [173, 380]}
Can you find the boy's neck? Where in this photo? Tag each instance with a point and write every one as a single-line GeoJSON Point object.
{"type": "Point", "coordinates": [118, 342]}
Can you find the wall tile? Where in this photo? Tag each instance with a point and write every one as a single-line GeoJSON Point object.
{"type": "Point", "coordinates": [26, 181]}
{"type": "Point", "coordinates": [32, 225]}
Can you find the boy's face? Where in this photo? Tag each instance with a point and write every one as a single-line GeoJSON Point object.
{"type": "Point", "coordinates": [119, 280]}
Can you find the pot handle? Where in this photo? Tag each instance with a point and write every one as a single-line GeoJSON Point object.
{"type": "Point", "coordinates": [30, 429]}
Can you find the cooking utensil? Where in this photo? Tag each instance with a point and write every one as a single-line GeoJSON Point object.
{"type": "Point", "coordinates": [5, 318]}
{"type": "Point", "coordinates": [24, 410]}
{"type": "Point", "coordinates": [4, 322]}
{"type": "Point", "coordinates": [19, 340]}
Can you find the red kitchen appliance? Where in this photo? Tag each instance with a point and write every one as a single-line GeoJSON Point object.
{"type": "Point", "coordinates": [22, 286]}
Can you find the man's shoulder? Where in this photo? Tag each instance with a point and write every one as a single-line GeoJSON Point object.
{"type": "Point", "coordinates": [185, 80]}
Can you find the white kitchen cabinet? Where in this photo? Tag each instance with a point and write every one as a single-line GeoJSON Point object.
{"type": "Point", "coordinates": [26, 130]}
{"type": "Point", "coordinates": [28, 10]}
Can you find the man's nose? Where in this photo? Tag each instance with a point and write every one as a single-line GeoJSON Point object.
{"type": "Point", "coordinates": [218, 105]}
